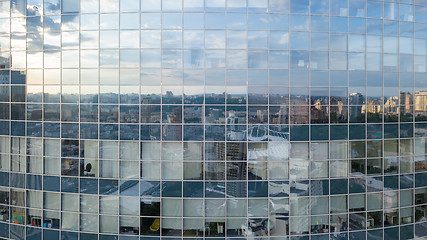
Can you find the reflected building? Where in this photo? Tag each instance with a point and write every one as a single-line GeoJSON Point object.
{"type": "Point", "coordinates": [213, 119]}
{"type": "Point", "coordinates": [420, 99]}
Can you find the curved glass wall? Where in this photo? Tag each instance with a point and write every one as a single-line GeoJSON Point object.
{"type": "Point", "coordinates": [213, 119]}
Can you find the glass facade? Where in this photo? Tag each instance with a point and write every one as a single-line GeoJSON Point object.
{"type": "Point", "coordinates": [213, 119]}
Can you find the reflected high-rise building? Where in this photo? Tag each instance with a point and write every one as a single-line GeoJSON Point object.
{"type": "Point", "coordinates": [213, 119]}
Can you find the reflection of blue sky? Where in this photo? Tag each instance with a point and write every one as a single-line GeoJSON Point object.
{"type": "Point", "coordinates": [70, 6]}
{"type": "Point", "coordinates": [89, 22]}
{"type": "Point", "coordinates": [51, 38]}
{"type": "Point", "coordinates": [52, 23]}
{"type": "Point", "coordinates": [89, 39]}
{"type": "Point", "coordinates": [171, 20]}
{"type": "Point", "coordinates": [34, 24]}
{"type": "Point", "coordinates": [236, 20]}
{"type": "Point", "coordinates": [129, 21]}
{"type": "Point", "coordinates": [70, 22]}
{"type": "Point", "coordinates": [257, 21]}
{"type": "Point", "coordinates": [52, 41]}
{"type": "Point", "coordinates": [17, 7]}
{"type": "Point", "coordinates": [279, 6]}
{"type": "Point", "coordinates": [236, 39]}
{"type": "Point", "coordinates": [34, 7]}
{"type": "Point", "coordinates": [258, 39]}
{"type": "Point", "coordinates": [51, 7]}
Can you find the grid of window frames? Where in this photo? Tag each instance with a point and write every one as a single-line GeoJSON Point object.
{"type": "Point", "coordinates": [213, 119]}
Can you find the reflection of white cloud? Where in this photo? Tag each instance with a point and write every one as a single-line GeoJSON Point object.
{"type": "Point", "coordinates": [172, 58]}
{"type": "Point", "coordinates": [284, 39]}
{"type": "Point", "coordinates": [300, 24]}
{"type": "Point", "coordinates": [51, 7]}
{"type": "Point", "coordinates": [18, 41]}
{"type": "Point", "coordinates": [215, 39]}
{"type": "Point", "coordinates": [4, 25]}
{"type": "Point", "coordinates": [150, 20]}
{"type": "Point", "coordinates": [390, 44]}
{"type": "Point", "coordinates": [356, 43]}
{"type": "Point", "coordinates": [109, 5]}
{"type": "Point", "coordinates": [70, 76]}
{"type": "Point", "coordinates": [109, 76]}
{"type": "Point", "coordinates": [18, 25]}
{"type": "Point", "coordinates": [237, 25]}
{"type": "Point", "coordinates": [89, 6]}
{"type": "Point", "coordinates": [129, 76]}
{"type": "Point", "coordinates": [18, 60]}
{"type": "Point", "coordinates": [150, 39]}
{"type": "Point", "coordinates": [89, 58]}
{"type": "Point", "coordinates": [52, 76]}
{"type": "Point", "coordinates": [172, 39]}
{"type": "Point", "coordinates": [70, 22]}
{"type": "Point", "coordinates": [279, 5]}
{"type": "Point", "coordinates": [215, 3]}
{"type": "Point", "coordinates": [70, 40]}
{"type": "Point", "coordinates": [109, 21]}
{"type": "Point", "coordinates": [52, 22]}
{"type": "Point", "coordinates": [128, 58]}
{"type": "Point", "coordinates": [17, 8]}
{"type": "Point", "coordinates": [109, 58]}
{"type": "Point", "coordinates": [35, 60]}
{"type": "Point", "coordinates": [194, 77]}
{"type": "Point", "coordinates": [193, 4]}
{"type": "Point", "coordinates": [214, 58]}
{"type": "Point", "coordinates": [420, 64]}
{"type": "Point", "coordinates": [70, 59]}
{"type": "Point", "coordinates": [52, 59]}
{"type": "Point", "coordinates": [171, 76]}
{"type": "Point", "coordinates": [89, 39]}
{"type": "Point", "coordinates": [258, 3]}
{"type": "Point", "coordinates": [34, 24]}
{"type": "Point", "coordinates": [236, 39]}
{"type": "Point", "coordinates": [150, 58]}
{"type": "Point", "coordinates": [193, 39]}
{"type": "Point", "coordinates": [129, 39]}
{"type": "Point", "coordinates": [34, 76]}
{"type": "Point", "coordinates": [4, 9]}
{"type": "Point", "coordinates": [52, 40]}
{"type": "Point", "coordinates": [89, 76]}
{"type": "Point", "coordinates": [89, 21]}
{"type": "Point", "coordinates": [172, 4]}
{"type": "Point", "coordinates": [263, 19]}
{"type": "Point", "coordinates": [406, 45]}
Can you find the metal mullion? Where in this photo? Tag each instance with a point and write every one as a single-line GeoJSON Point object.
{"type": "Point", "coordinates": [118, 125]}
{"type": "Point", "coordinates": [139, 121]}
{"type": "Point", "coordinates": [182, 118]}
{"type": "Point", "coordinates": [204, 162]}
